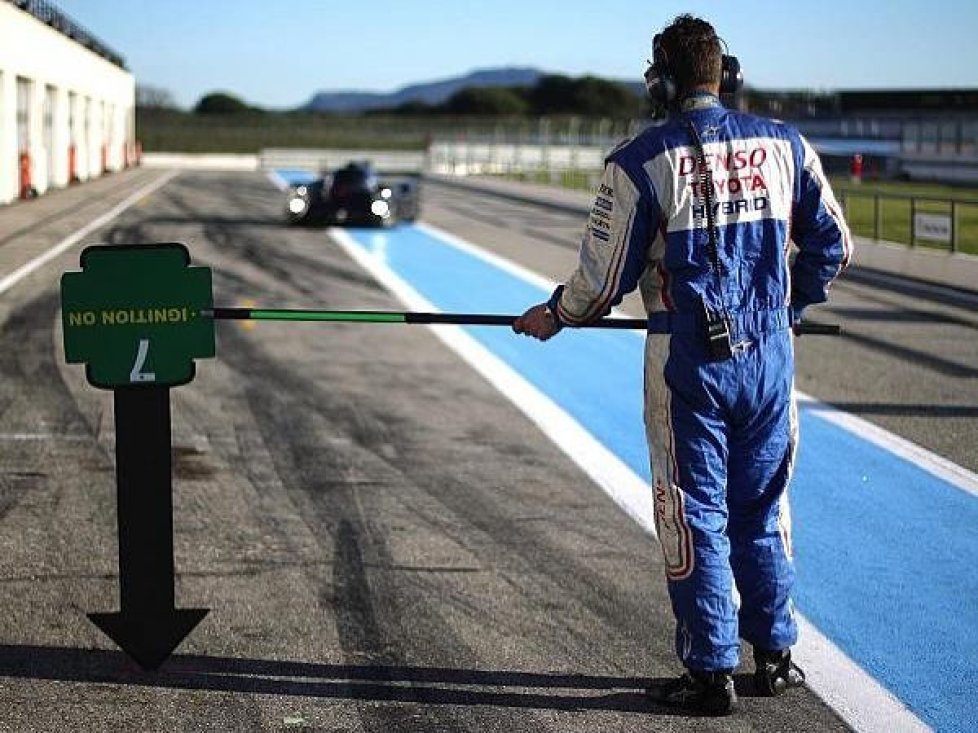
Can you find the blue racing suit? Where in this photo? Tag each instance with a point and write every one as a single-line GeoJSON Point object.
{"type": "Point", "coordinates": [721, 434]}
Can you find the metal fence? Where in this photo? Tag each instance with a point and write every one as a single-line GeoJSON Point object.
{"type": "Point", "coordinates": [318, 160]}
{"type": "Point", "coordinates": [930, 221]}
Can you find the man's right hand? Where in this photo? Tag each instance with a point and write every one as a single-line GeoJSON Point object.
{"type": "Point", "coordinates": [538, 322]}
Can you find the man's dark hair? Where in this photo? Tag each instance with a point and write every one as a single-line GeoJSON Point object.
{"type": "Point", "coordinates": [693, 52]}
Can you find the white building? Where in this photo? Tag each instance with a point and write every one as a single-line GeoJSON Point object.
{"type": "Point", "coordinates": [67, 103]}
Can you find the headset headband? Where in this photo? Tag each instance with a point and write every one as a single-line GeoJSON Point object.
{"type": "Point", "coordinates": [660, 82]}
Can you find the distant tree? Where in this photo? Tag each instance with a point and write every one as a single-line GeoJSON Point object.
{"type": "Point", "coordinates": [150, 97]}
{"type": "Point", "coordinates": [486, 101]}
{"type": "Point", "coordinates": [596, 97]}
{"type": "Point", "coordinates": [553, 94]}
{"type": "Point", "coordinates": [414, 107]}
{"type": "Point", "coordinates": [220, 103]}
{"type": "Point", "coordinates": [588, 95]}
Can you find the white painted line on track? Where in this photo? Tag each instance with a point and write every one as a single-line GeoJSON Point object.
{"type": "Point", "coordinates": [848, 689]}
{"type": "Point", "coordinates": [23, 271]}
{"type": "Point", "coordinates": [280, 183]}
{"type": "Point", "coordinates": [26, 437]}
{"type": "Point", "coordinates": [958, 476]}
{"type": "Point", "coordinates": [627, 489]}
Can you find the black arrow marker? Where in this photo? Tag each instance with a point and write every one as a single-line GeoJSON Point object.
{"type": "Point", "coordinates": [147, 627]}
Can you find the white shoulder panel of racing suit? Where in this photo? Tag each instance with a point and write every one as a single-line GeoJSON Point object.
{"type": "Point", "coordinates": [589, 291]}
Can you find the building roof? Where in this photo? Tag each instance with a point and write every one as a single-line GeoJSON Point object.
{"type": "Point", "coordinates": [48, 13]}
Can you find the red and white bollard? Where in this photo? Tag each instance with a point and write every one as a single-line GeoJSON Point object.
{"type": "Point", "coordinates": [856, 168]}
{"type": "Point", "coordinates": [72, 164]}
{"type": "Point", "coordinates": [27, 190]}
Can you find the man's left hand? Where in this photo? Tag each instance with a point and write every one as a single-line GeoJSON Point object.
{"type": "Point", "coordinates": [538, 322]}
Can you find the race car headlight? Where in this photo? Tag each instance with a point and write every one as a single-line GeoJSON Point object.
{"type": "Point", "coordinates": [385, 193]}
{"type": "Point", "coordinates": [297, 205]}
{"type": "Point", "coordinates": [380, 208]}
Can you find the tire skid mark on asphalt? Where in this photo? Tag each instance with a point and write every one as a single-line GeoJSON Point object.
{"type": "Point", "coordinates": [358, 593]}
{"type": "Point", "coordinates": [946, 367]}
{"type": "Point", "coordinates": [366, 609]}
{"type": "Point", "coordinates": [275, 422]}
{"type": "Point", "coordinates": [891, 300]}
{"type": "Point", "coordinates": [541, 572]}
{"type": "Point", "coordinates": [14, 485]}
{"type": "Point", "coordinates": [30, 376]}
{"type": "Point", "coordinates": [534, 230]}
{"type": "Point", "coordinates": [522, 212]}
{"type": "Point", "coordinates": [31, 372]}
{"type": "Point", "coordinates": [276, 263]}
{"type": "Point", "coordinates": [129, 233]}
{"type": "Point", "coordinates": [283, 265]}
{"type": "Point", "coordinates": [566, 577]}
{"type": "Point", "coordinates": [922, 290]}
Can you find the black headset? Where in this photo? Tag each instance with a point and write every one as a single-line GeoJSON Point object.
{"type": "Point", "coordinates": [661, 83]}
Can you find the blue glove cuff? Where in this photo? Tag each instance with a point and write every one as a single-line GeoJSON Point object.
{"type": "Point", "coordinates": [552, 306]}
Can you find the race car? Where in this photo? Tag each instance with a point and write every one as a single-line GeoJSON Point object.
{"type": "Point", "coordinates": [354, 194]}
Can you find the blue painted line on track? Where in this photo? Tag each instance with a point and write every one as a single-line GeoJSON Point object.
{"type": "Point", "coordinates": [887, 563]}
{"type": "Point", "coordinates": [886, 553]}
{"type": "Point", "coordinates": [296, 177]}
{"type": "Point", "coordinates": [456, 281]}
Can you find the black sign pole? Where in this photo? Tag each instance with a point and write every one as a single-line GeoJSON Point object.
{"type": "Point", "coordinates": [147, 626]}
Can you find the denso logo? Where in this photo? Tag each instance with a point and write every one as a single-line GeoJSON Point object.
{"type": "Point", "coordinates": [735, 161]}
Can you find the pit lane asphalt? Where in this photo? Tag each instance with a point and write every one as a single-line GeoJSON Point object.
{"type": "Point", "coordinates": [386, 544]}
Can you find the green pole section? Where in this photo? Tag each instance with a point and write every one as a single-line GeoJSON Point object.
{"type": "Point", "coordinates": [464, 319]}
{"type": "Point", "coordinates": [266, 314]}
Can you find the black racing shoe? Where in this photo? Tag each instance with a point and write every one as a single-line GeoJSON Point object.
{"type": "Point", "coordinates": [775, 672]}
{"type": "Point", "coordinates": [706, 693]}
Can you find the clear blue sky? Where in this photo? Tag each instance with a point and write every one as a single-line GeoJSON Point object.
{"type": "Point", "coordinates": [277, 53]}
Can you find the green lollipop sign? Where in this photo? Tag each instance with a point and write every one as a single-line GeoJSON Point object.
{"type": "Point", "coordinates": [133, 315]}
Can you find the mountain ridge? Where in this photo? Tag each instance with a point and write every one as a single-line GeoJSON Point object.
{"type": "Point", "coordinates": [433, 92]}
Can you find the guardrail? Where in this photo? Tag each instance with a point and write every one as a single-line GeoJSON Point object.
{"type": "Point", "coordinates": [551, 163]}
{"type": "Point", "coordinates": [943, 223]}
{"type": "Point", "coordinates": [316, 160]}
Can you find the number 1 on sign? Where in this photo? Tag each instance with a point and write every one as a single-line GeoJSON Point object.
{"type": "Point", "coordinates": [137, 374]}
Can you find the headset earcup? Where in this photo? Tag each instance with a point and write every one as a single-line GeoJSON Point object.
{"type": "Point", "coordinates": [658, 79]}
{"type": "Point", "coordinates": [731, 76]}
{"type": "Point", "coordinates": [660, 86]}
